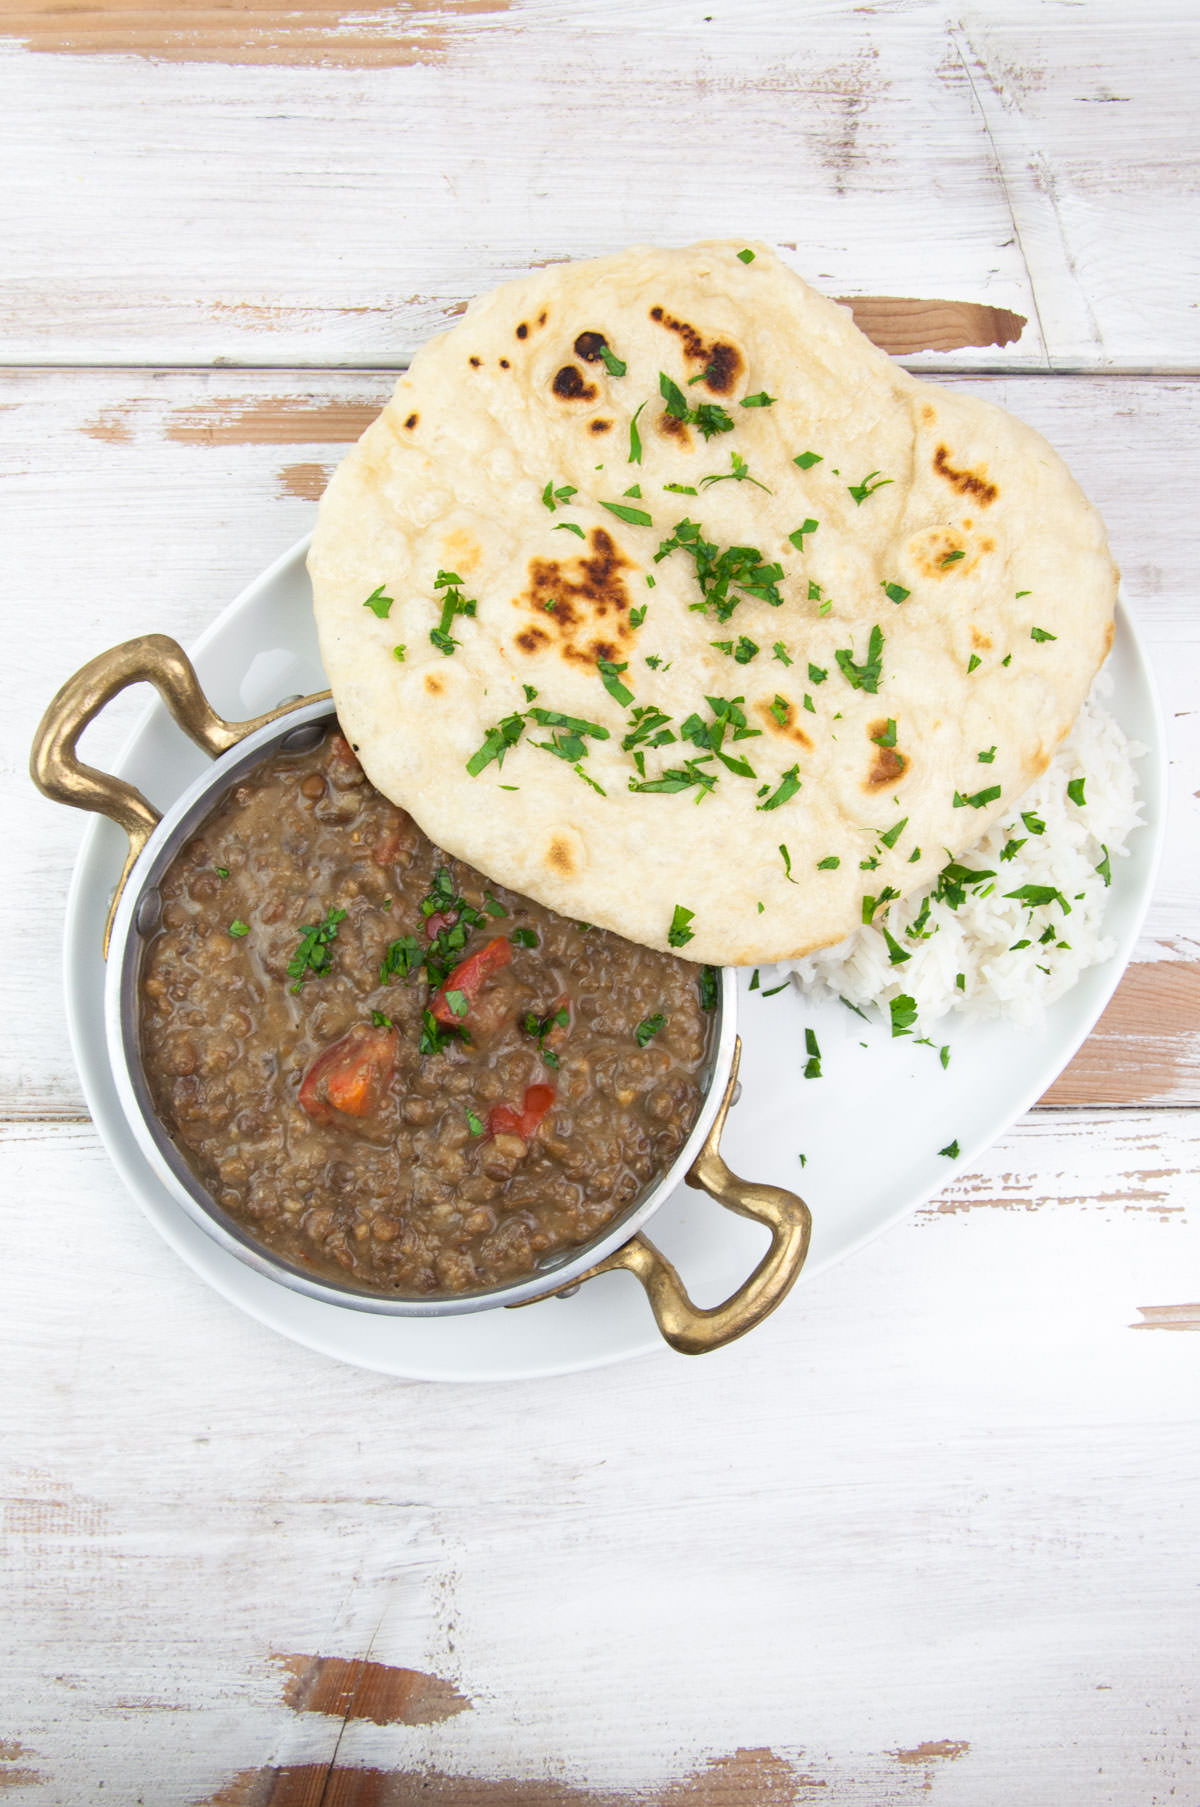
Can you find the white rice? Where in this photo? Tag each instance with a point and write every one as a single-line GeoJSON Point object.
{"type": "Point", "coordinates": [980, 939]}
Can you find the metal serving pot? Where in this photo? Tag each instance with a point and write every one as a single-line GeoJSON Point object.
{"type": "Point", "coordinates": [133, 918]}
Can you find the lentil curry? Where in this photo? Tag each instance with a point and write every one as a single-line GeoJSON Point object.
{"type": "Point", "coordinates": [390, 1072]}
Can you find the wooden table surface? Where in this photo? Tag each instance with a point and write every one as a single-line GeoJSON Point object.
{"type": "Point", "coordinates": [930, 1534]}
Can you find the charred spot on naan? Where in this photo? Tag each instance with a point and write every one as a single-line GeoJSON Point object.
{"type": "Point", "coordinates": [981, 642]}
{"type": "Point", "coordinates": [581, 603]}
{"type": "Point", "coordinates": [569, 385]}
{"type": "Point", "coordinates": [564, 853]}
{"type": "Point", "coordinates": [671, 427]}
{"type": "Point", "coordinates": [966, 482]}
{"type": "Point", "coordinates": [461, 551]}
{"type": "Point", "coordinates": [788, 728]}
{"type": "Point", "coordinates": [723, 363]}
{"type": "Point", "coordinates": [939, 552]}
{"type": "Point", "coordinates": [599, 426]}
{"type": "Point", "coordinates": [888, 764]}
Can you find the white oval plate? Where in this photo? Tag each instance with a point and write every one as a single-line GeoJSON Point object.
{"type": "Point", "coordinates": [870, 1130]}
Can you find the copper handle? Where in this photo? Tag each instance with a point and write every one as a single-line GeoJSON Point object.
{"type": "Point", "coordinates": [693, 1329]}
{"type": "Point", "coordinates": [60, 774]}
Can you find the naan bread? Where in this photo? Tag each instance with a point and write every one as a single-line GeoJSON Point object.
{"type": "Point", "coordinates": [912, 593]}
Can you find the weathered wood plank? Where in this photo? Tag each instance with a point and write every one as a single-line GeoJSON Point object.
{"type": "Point", "coordinates": [147, 500]}
{"type": "Point", "coordinates": [953, 1446]}
{"type": "Point", "coordinates": [329, 184]}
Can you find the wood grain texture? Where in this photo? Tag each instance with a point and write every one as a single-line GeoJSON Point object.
{"type": "Point", "coordinates": [166, 202]}
{"type": "Point", "coordinates": [952, 1447]}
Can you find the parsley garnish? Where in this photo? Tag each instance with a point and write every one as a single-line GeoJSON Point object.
{"type": "Point", "coordinates": [746, 257]}
{"type": "Point", "coordinates": [453, 603]}
{"type": "Point", "coordinates": [679, 934]}
{"type": "Point", "coordinates": [1105, 867]}
{"type": "Point", "coordinates": [221, 871]}
{"type": "Point", "coordinates": [378, 603]}
{"type": "Point", "coordinates": [893, 834]}
{"type": "Point", "coordinates": [496, 743]}
{"type": "Point", "coordinates": [780, 651]}
{"type": "Point", "coordinates": [523, 938]}
{"type": "Point", "coordinates": [1039, 633]}
{"type": "Point", "coordinates": [743, 650]}
{"type": "Point", "coordinates": [977, 799]}
{"type": "Point", "coordinates": [709, 417]}
{"type": "Point", "coordinates": [1075, 791]}
{"type": "Point", "coordinates": [787, 863]}
{"type": "Point", "coordinates": [379, 1021]}
{"type": "Point", "coordinates": [973, 663]}
{"type": "Point", "coordinates": [649, 1028]}
{"type": "Point", "coordinates": [473, 1122]}
{"type": "Point", "coordinates": [739, 472]}
{"type": "Point", "coordinates": [638, 615]}
{"type": "Point", "coordinates": [987, 757]}
{"type": "Point", "coordinates": [541, 1027]}
{"type": "Point", "coordinates": [952, 558]}
{"type": "Point", "coordinates": [635, 439]}
{"type": "Point", "coordinates": [781, 709]}
{"type": "Point", "coordinates": [718, 572]}
{"type": "Point", "coordinates": [1033, 823]}
{"type": "Point", "coordinates": [761, 400]}
{"type": "Point", "coordinates": [682, 489]}
{"type": "Point", "coordinates": [806, 460]}
{"type": "Point", "coordinates": [797, 538]}
{"type": "Point", "coordinates": [708, 988]}
{"type": "Point", "coordinates": [569, 527]}
{"type": "Point", "coordinates": [830, 863]}
{"type": "Point", "coordinates": [613, 364]}
{"type": "Point", "coordinates": [610, 677]}
{"type": "Point", "coordinates": [865, 676]}
{"type": "Point", "coordinates": [238, 928]}
{"type": "Point", "coordinates": [789, 784]}
{"type": "Point", "coordinates": [895, 592]}
{"type": "Point", "coordinates": [1034, 896]}
{"type": "Point", "coordinates": [552, 497]}
{"type": "Point", "coordinates": [903, 1013]}
{"type": "Point", "coordinates": [888, 737]}
{"type": "Point", "coordinates": [951, 1150]}
{"type": "Point", "coordinates": [636, 517]}
{"type": "Point", "coordinates": [315, 953]}
{"type": "Point", "coordinates": [860, 491]}
{"type": "Point", "coordinates": [812, 1069]}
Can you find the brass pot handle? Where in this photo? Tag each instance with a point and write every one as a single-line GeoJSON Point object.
{"type": "Point", "coordinates": [693, 1329]}
{"type": "Point", "coordinates": [60, 774]}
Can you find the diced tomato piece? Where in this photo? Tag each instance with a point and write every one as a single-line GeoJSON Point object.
{"type": "Point", "coordinates": [469, 975]}
{"type": "Point", "coordinates": [349, 1078]}
{"type": "Point", "coordinates": [503, 1120]}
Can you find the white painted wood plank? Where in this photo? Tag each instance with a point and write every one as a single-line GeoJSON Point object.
{"type": "Point", "coordinates": [146, 501]}
{"type": "Point", "coordinates": [330, 187]}
{"type": "Point", "coordinates": [943, 1502]}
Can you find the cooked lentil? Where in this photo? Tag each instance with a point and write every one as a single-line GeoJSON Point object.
{"type": "Point", "coordinates": [408, 1128]}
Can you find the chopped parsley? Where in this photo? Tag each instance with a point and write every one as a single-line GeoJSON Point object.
{"type": "Point", "coordinates": [988, 757]}
{"type": "Point", "coordinates": [1033, 823]}
{"type": "Point", "coordinates": [789, 784]}
{"type": "Point", "coordinates": [719, 572]}
{"type": "Point", "coordinates": [238, 928]}
{"type": "Point", "coordinates": [977, 799]}
{"type": "Point", "coordinates": [743, 650]}
{"type": "Point", "coordinates": [636, 517]}
{"type": "Point", "coordinates": [806, 460]}
{"type": "Point", "coordinates": [569, 527]}
{"type": "Point", "coordinates": [1035, 896]}
{"type": "Point", "coordinates": [610, 677]}
{"type": "Point", "coordinates": [865, 676]}
{"type": "Point", "coordinates": [614, 365]}
{"type": "Point", "coordinates": [896, 954]}
{"type": "Point", "coordinates": [649, 1028]}
{"type": "Point", "coordinates": [453, 603]}
{"type": "Point", "coordinates": [952, 558]}
{"type": "Point", "coordinates": [761, 400]}
{"type": "Point", "coordinates": [798, 536]}
{"type": "Point", "coordinates": [893, 834]}
{"type": "Point", "coordinates": [542, 1027]}
{"type": "Point", "coordinates": [221, 871]}
{"type": "Point", "coordinates": [812, 1068]}
{"type": "Point", "coordinates": [1039, 633]}
{"type": "Point", "coordinates": [868, 486]}
{"type": "Point", "coordinates": [496, 743]}
{"type": "Point", "coordinates": [379, 1021]}
{"type": "Point", "coordinates": [1075, 791]}
{"type": "Point", "coordinates": [682, 489]}
{"type": "Point", "coordinates": [739, 472]}
{"type": "Point", "coordinates": [473, 1122]}
{"type": "Point", "coordinates": [709, 417]}
{"type": "Point", "coordinates": [679, 934]}
{"type": "Point", "coordinates": [781, 709]}
{"type": "Point", "coordinates": [315, 952]}
{"type": "Point", "coordinates": [830, 863]}
{"type": "Point", "coordinates": [635, 439]}
{"type": "Point", "coordinates": [551, 497]}
{"type": "Point", "coordinates": [398, 652]}
{"type": "Point", "coordinates": [780, 651]}
{"type": "Point", "coordinates": [709, 991]}
{"type": "Point", "coordinates": [1105, 867]}
{"type": "Point", "coordinates": [524, 938]}
{"type": "Point", "coordinates": [895, 592]}
{"type": "Point", "coordinates": [746, 257]}
{"type": "Point", "coordinates": [787, 864]}
{"type": "Point", "coordinates": [903, 1011]}
{"type": "Point", "coordinates": [378, 603]}
{"type": "Point", "coordinates": [888, 737]}
{"type": "Point", "coordinates": [951, 1150]}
